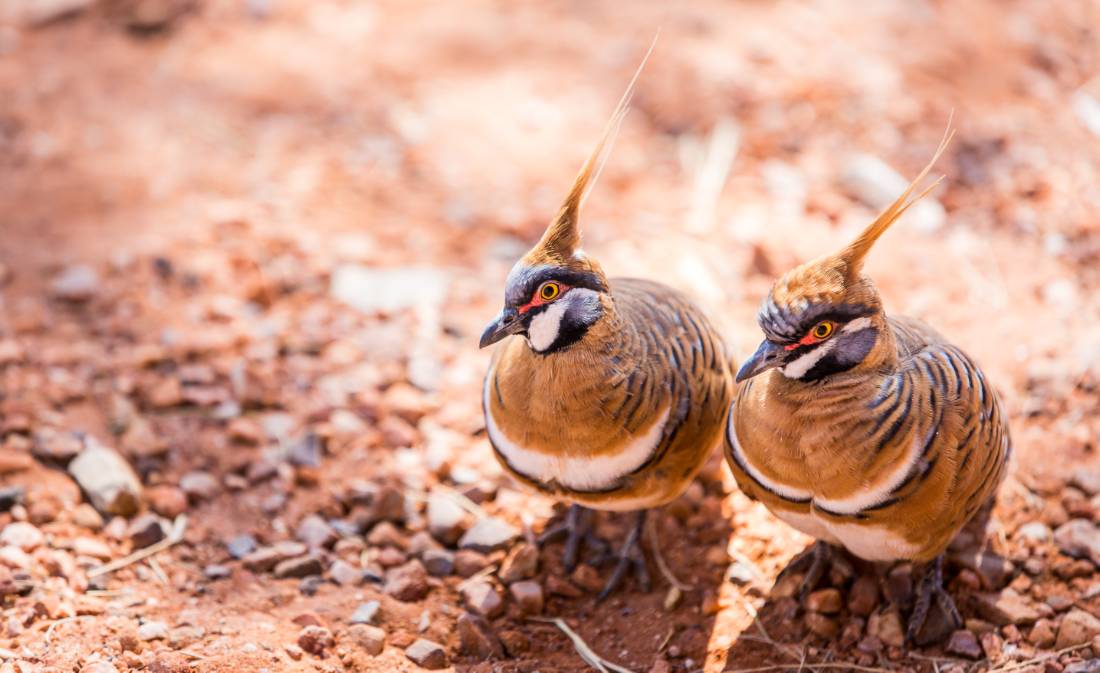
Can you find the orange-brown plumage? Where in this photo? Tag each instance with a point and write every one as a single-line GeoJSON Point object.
{"type": "Point", "coordinates": [865, 431]}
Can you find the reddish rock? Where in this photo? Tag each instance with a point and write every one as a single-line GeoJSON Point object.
{"type": "Point", "coordinates": [824, 601]}
{"type": "Point", "coordinates": [820, 625]}
{"type": "Point", "coordinates": [528, 596]}
{"type": "Point", "coordinates": [482, 598]}
{"type": "Point", "coordinates": [964, 644]}
{"type": "Point", "coordinates": [477, 639]}
{"type": "Point", "coordinates": [408, 582]}
{"type": "Point", "coordinates": [427, 654]}
{"type": "Point", "coordinates": [168, 501]}
{"type": "Point", "coordinates": [370, 639]}
{"type": "Point", "coordinates": [315, 640]}
{"type": "Point", "coordinates": [863, 597]}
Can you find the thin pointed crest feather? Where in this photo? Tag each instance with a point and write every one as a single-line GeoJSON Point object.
{"type": "Point", "coordinates": [563, 236]}
{"type": "Point", "coordinates": [857, 250]}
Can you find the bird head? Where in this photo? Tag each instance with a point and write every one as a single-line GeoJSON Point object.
{"type": "Point", "coordinates": [555, 292]}
{"type": "Point", "coordinates": [825, 317]}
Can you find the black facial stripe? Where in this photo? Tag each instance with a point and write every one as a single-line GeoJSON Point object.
{"type": "Point", "coordinates": [849, 351]}
{"type": "Point", "coordinates": [787, 324]}
{"type": "Point", "coordinates": [522, 286]}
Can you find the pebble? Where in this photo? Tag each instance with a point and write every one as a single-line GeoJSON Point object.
{"type": "Point", "coordinates": [23, 535]}
{"type": "Point", "coordinates": [370, 639]}
{"type": "Point", "coordinates": [308, 618]}
{"type": "Point", "coordinates": [521, 563]}
{"type": "Point", "coordinates": [86, 516]}
{"type": "Point", "coordinates": [345, 574]}
{"type": "Point", "coordinates": [1088, 666]}
{"type": "Point", "coordinates": [446, 518]}
{"type": "Point", "coordinates": [863, 597]}
{"type": "Point", "coordinates": [51, 444]}
{"type": "Point", "coordinates": [1006, 607]}
{"type": "Point", "coordinates": [76, 283]}
{"type": "Point", "coordinates": [528, 596]}
{"type": "Point", "coordinates": [559, 586]}
{"type": "Point", "coordinates": [964, 644]}
{"type": "Point", "coordinates": [477, 639]}
{"type": "Point", "coordinates": [185, 635]}
{"type": "Point", "coordinates": [993, 569]}
{"type": "Point", "coordinates": [111, 484]}
{"type": "Point", "coordinates": [469, 562]}
{"type": "Point", "coordinates": [482, 598]}
{"type": "Point", "coordinates": [145, 530]}
{"type": "Point", "coordinates": [315, 533]}
{"type": "Point", "coordinates": [300, 566]}
{"type": "Point", "coordinates": [1087, 480]}
{"type": "Point", "coordinates": [266, 558]}
{"type": "Point", "coordinates": [199, 485]}
{"type": "Point", "coordinates": [93, 547]}
{"type": "Point", "coordinates": [438, 562]}
{"type": "Point", "coordinates": [168, 501]}
{"type": "Point", "coordinates": [993, 646]}
{"type": "Point", "coordinates": [366, 613]}
{"type": "Point", "coordinates": [99, 667]}
{"type": "Point", "coordinates": [389, 557]}
{"type": "Point", "coordinates": [216, 571]}
{"type": "Point", "coordinates": [823, 626]}
{"type": "Point", "coordinates": [1043, 634]}
{"type": "Point", "coordinates": [315, 639]}
{"type": "Point", "coordinates": [241, 546]}
{"type": "Point", "coordinates": [385, 534]}
{"type": "Point", "coordinates": [489, 534]}
{"type": "Point", "coordinates": [427, 654]}
{"type": "Point", "coordinates": [824, 601]}
{"type": "Point", "coordinates": [587, 578]}
{"type": "Point", "coordinates": [408, 582]}
{"type": "Point", "coordinates": [887, 627]}
{"type": "Point", "coordinates": [152, 631]}
{"type": "Point", "coordinates": [1077, 628]}
{"type": "Point", "coordinates": [1080, 539]}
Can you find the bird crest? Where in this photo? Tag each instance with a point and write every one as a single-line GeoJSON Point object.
{"type": "Point", "coordinates": [561, 243]}
{"type": "Point", "coordinates": [836, 277]}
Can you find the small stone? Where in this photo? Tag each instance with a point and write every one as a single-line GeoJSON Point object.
{"type": "Point", "coordinates": [315, 640]}
{"type": "Point", "coordinates": [99, 667]}
{"type": "Point", "coordinates": [528, 596]}
{"type": "Point", "coordinates": [823, 626]}
{"type": "Point", "coordinates": [824, 601]}
{"type": "Point", "coordinates": [562, 587]}
{"type": "Point", "coordinates": [994, 570]}
{"type": "Point", "coordinates": [76, 283]}
{"type": "Point", "coordinates": [469, 562]}
{"type": "Point", "coordinates": [51, 444]}
{"type": "Point", "coordinates": [152, 631]}
{"type": "Point", "coordinates": [439, 562]}
{"type": "Point", "coordinates": [370, 639]}
{"type": "Point", "coordinates": [964, 644]}
{"type": "Point", "coordinates": [1006, 607]}
{"type": "Point", "coordinates": [167, 501]}
{"type": "Point", "coordinates": [1089, 666]}
{"type": "Point", "coordinates": [482, 598]}
{"type": "Point", "coordinates": [1043, 634]}
{"type": "Point", "coordinates": [111, 484]}
{"type": "Point", "coordinates": [1077, 628]}
{"type": "Point", "coordinates": [385, 534]}
{"type": "Point", "coordinates": [266, 558]}
{"type": "Point", "coordinates": [345, 574]}
{"type": "Point", "coordinates": [216, 571]}
{"type": "Point", "coordinates": [1080, 539]}
{"type": "Point", "coordinates": [520, 564]}
{"type": "Point", "coordinates": [315, 532]}
{"type": "Point", "coordinates": [1059, 603]}
{"type": "Point", "coordinates": [23, 535]}
{"type": "Point", "coordinates": [301, 566]}
{"type": "Point", "coordinates": [446, 518]}
{"type": "Point", "coordinates": [294, 652]}
{"type": "Point", "coordinates": [477, 639]}
{"type": "Point", "coordinates": [93, 547]}
{"type": "Point", "coordinates": [863, 597]}
{"type": "Point", "coordinates": [587, 578]}
{"type": "Point", "coordinates": [366, 613]}
{"type": "Point", "coordinates": [1035, 532]}
{"type": "Point", "coordinates": [427, 654]}
{"type": "Point", "coordinates": [145, 530]}
{"type": "Point", "coordinates": [1087, 480]}
{"type": "Point", "coordinates": [886, 626]}
{"type": "Point", "coordinates": [308, 618]}
{"type": "Point", "coordinates": [185, 635]}
{"type": "Point", "coordinates": [389, 557]}
{"type": "Point", "coordinates": [199, 485]}
{"type": "Point", "coordinates": [408, 582]}
{"type": "Point", "coordinates": [86, 516]}
{"type": "Point", "coordinates": [993, 646]}
{"type": "Point", "coordinates": [489, 534]}
{"type": "Point", "coordinates": [240, 546]}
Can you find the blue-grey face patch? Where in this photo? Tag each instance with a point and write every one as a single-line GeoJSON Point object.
{"type": "Point", "coordinates": [788, 325]}
{"type": "Point", "coordinates": [524, 280]}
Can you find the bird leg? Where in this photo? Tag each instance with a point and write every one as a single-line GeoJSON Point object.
{"type": "Point", "coordinates": [813, 563]}
{"type": "Point", "coordinates": [576, 528]}
{"type": "Point", "coordinates": [931, 591]}
{"type": "Point", "coordinates": [630, 555]}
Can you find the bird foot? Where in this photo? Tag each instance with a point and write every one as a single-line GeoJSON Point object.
{"type": "Point", "coordinates": [931, 593]}
{"type": "Point", "coordinates": [812, 564]}
{"type": "Point", "coordinates": [577, 531]}
{"type": "Point", "coordinates": [629, 557]}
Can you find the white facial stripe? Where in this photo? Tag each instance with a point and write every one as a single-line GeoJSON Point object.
{"type": "Point", "coordinates": [782, 490]}
{"type": "Point", "coordinates": [582, 473]}
{"type": "Point", "coordinates": [544, 328]}
{"type": "Point", "coordinates": [797, 368]}
{"type": "Point", "coordinates": [857, 324]}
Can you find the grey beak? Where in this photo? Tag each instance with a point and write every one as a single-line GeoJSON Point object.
{"type": "Point", "coordinates": [767, 356]}
{"type": "Point", "coordinates": [505, 324]}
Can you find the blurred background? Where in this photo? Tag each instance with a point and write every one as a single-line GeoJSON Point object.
{"type": "Point", "coordinates": [268, 232]}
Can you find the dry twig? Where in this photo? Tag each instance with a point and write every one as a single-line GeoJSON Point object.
{"type": "Point", "coordinates": [590, 657]}
{"type": "Point", "coordinates": [179, 526]}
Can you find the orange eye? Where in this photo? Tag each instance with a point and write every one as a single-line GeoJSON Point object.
{"type": "Point", "coordinates": [823, 330]}
{"type": "Point", "coordinates": [549, 291]}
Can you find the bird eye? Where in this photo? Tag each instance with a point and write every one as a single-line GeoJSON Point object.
{"type": "Point", "coordinates": [549, 291]}
{"type": "Point", "coordinates": [822, 330]}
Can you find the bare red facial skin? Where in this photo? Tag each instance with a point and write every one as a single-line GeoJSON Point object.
{"type": "Point", "coordinates": [537, 300]}
{"type": "Point", "coordinates": [804, 341]}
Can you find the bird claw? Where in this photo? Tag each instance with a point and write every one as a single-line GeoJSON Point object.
{"type": "Point", "coordinates": [577, 531]}
{"type": "Point", "coordinates": [930, 592]}
{"type": "Point", "coordinates": [813, 564]}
